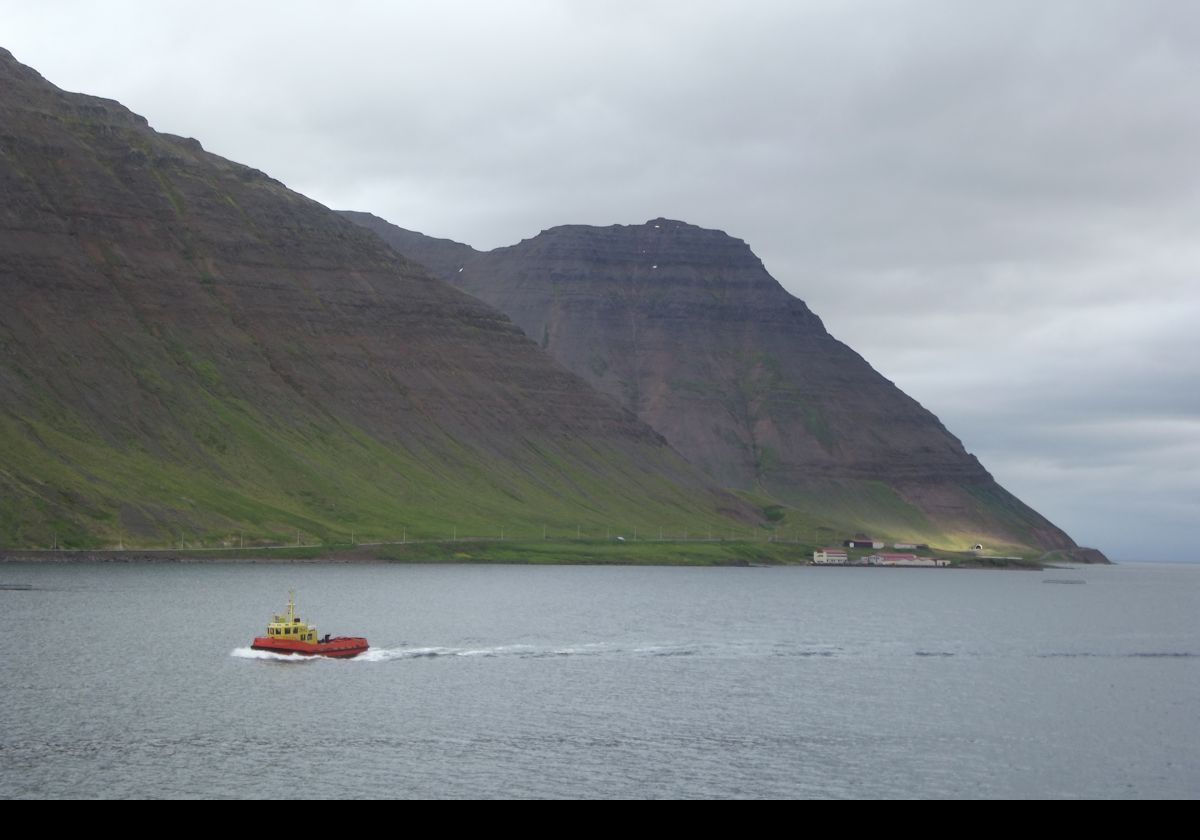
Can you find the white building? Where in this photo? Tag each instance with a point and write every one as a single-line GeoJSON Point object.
{"type": "Point", "coordinates": [886, 559]}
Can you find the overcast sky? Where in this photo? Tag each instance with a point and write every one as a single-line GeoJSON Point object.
{"type": "Point", "coordinates": [995, 203]}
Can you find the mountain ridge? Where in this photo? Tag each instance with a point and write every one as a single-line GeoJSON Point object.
{"type": "Point", "coordinates": [686, 328]}
{"type": "Point", "coordinates": [191, 350]}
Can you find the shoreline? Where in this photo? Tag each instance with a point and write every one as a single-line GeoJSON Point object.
{"type": "Point", "coordinates": [537, 552]}
{"type": "Point", "coordinates": [565, 553]}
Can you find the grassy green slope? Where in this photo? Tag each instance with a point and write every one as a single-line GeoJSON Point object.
{"type": "Point", "coordinates": [828, 513]}
{"type": "Point", "coordinates": [262, 481]}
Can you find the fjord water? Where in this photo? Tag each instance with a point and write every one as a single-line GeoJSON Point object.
{"type": "Point", "coordinates": [530, 681]}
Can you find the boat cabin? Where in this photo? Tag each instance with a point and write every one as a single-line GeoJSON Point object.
{"type": "Point", "coordinates": [288, 626]}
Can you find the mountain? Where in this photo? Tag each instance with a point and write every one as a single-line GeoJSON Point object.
{"type": "Point", "coordinates": [191, 350]}
{"type": "Point", "coordinates": [685, 328]}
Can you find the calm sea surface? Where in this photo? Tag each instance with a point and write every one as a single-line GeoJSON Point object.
{"type": "Point", "coordinates": [525, 681]}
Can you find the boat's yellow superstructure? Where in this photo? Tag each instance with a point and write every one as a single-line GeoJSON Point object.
{"type": "Point", "coordinates": [288, 626]}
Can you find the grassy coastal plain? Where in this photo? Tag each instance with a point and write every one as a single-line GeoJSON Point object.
{"type": "Point", "coordinates": [650, 552]}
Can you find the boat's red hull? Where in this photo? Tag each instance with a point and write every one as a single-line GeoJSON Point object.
{"type": "Point", "coordinates": [342, 647]}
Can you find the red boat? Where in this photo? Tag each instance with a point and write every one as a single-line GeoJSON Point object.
{"type": "Point", "coordinates": [287, 634]}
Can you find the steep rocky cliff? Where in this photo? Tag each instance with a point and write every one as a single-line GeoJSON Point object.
{"type": "Point", "coordinates": [188, 348]}
{"type": "Point", "coordinates": [685, 327]}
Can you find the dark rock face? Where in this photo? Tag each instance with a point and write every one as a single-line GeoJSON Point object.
{"type": "Point", "coordinates": [685, 327]}
{"type": "Point", "coordinates": [444, 257]}
{"type": "Point", "coordinates": [162, 308]}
